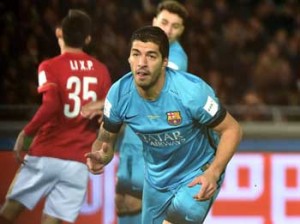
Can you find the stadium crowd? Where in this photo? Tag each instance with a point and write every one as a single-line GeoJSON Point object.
{"type": "Point", "coordinates": [248, 50]}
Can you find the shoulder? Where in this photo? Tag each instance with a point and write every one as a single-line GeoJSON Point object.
{"type": "Point", "coordinates": [49, 62]}
{"type": "Point", "coordinates": [187, 84]}
{"type": "Point", "coordinates": [124, 85]}
{"type": "Point", "coordinates": [177, 57]}
{"type": "Point", "coordinates": [48, 67]}
{"type": "Point", "coordinates": [195, 94]}
{"type": "Point", "coordinates": [119, 94]}
{"type": "Point", "coordinates": [182, 78]}
{"type": "Point", "coordinates": [176, 48]}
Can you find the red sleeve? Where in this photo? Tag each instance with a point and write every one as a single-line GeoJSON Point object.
{"type": "Point", "coordinates": [50, 107]}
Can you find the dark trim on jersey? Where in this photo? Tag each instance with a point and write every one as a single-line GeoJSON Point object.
{"type": "Point", "coordinates": [219, 117]}
{"type": "Point", "coordinates": [111, 127]}
{"type": "Point", "coordinates": [210, 139]}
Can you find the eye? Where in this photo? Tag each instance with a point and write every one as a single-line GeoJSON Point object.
{"type": "Point", "coordinates": [176, 26]}
{"type": "Point", "coordinates": [164, 23]}
{"type": "Point", "coordinates": [152, 56]}
{"type": "Point", "coordinates": [134, 54]}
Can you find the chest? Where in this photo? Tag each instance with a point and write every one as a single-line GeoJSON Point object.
{"type": "Point", "coordinates": [164, 114]}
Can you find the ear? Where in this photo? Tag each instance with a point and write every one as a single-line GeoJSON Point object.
{"type": "Point", "coordinates": [58, 32]}
{"type": "Point", "coordinates": [165, 62]}
{"type": "Point", "coordinates": [88, 40]}
{"type": "Point", "coordinates": [182, 29]}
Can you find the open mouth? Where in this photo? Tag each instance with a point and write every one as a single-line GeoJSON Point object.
{"type": "Point", "coordinates": [142, 74]}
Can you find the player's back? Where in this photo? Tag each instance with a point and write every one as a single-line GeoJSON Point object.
{"type": "Point", "coordinates": [79, 79]}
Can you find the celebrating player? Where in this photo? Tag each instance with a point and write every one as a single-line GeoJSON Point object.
{"type": "Point", "coordinates": [171, 17]}
{"type": "Point", "coordinates": [174, 114]}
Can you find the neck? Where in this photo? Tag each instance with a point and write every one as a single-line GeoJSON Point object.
{"type": "Point", "coordinates": [152, 93]}
{"type": "Point", "coordinates": [71, 50]}
{"type": "Point", "coordinates": [149, 94]}
{"type": "Point", "coordinates": [66, 49]}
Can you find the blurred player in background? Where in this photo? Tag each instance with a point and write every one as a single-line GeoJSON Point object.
{"type": "Point", "coordinates": [170, 17]}
{"type": "Point", "coordinates": [171, 112]}
{"type": "Point", "coordinates": [62, 136]}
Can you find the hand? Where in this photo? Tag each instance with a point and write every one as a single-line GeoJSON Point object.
{"type": "Point", "coordinates": [100, 156]}
{"type": "Point", "coordinates": [93, 109]}
{"type": "Point", "coordinates": [19, 147]}
{"type": "Point", "coordinates": [92, 163]}
{"type": "Point", "coordinates": [208, 184]}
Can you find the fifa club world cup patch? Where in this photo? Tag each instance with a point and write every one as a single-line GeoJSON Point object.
{"type": "Point", "coordinates": [174, 118]}
{"type": "Point", "coordinates": [107, 108]}
{"type": "Point", "coordinates": [211, 106]}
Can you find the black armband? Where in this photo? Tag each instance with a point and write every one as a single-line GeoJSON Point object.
{"type": "Point", "coordinates": [111, 127]}
{"type": "Point", "coordinates": [219, 117]}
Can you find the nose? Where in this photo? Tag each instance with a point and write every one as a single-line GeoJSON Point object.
{"type": "Point", "coordinates": [168, 30]}
{"type": "Point", "coordinates": [142, 60]}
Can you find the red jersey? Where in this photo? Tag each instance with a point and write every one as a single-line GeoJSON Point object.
{"type": "Point", "coordinates": [69, 81]}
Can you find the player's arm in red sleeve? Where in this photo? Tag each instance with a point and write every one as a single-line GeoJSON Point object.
{"type": "Point", "coordinates": [49, 108]}
{"type": "Point", "coordinates": [51, 105]}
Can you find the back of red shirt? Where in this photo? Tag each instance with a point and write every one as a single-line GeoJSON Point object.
{"type": "Point", "coordinates": [78, 79]}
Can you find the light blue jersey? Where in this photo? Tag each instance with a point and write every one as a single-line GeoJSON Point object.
{"type": "Point", "coordinates": [131, 166]}
{"type": "Point", "coordinates": [178, 59]}
{"type": "Point", "coordinates": [173, 128]}
{"type": "Point", "coordinates": [130, 146]}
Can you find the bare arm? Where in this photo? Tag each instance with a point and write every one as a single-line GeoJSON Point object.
{"type": "Point", "coordinates": [49, 108]}
{"type": "Point", "coordinates": [93, 109]}
{"type": "Point", "coordinates": [230, 137]}
{"type": "Point", "coordinates": [19, 147]}
{"type": "Point", "coordinates": [102, 151]}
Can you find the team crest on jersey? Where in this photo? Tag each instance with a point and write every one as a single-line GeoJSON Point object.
{"type": "Point", "coordinates": [174, 118]}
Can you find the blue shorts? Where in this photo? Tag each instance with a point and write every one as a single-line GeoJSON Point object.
{"type": "Point", "coordinates": [176, 206]}
{"type": "Point", "coordinates": [131, 170]}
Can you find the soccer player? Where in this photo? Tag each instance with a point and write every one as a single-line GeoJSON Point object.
{"type": "Point", "coordinates": [55, 167]}
{"type": "Point", "coordinates": [173, 113]}
{"type": "Point", "coordinates": [171, 17]}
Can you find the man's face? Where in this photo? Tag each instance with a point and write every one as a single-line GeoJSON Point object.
{"type": "Point", "coordinates": [171, 23]}
{"type": "Point", "coordinates": [147, 64]}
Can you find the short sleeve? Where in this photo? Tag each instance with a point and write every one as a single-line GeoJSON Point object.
{"type": "Point", "coordinates": [45, 78]}
{"type": "Point", "coordinates": [112, 119]}
{"type": "Point", "coordinates": [205, 106]}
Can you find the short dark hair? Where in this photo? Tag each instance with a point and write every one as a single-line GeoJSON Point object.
{"type": "Point", "coordinates": [152, 34]}
{"type": "Point", "coordinates": [173, 7]}
{"type": "Point", "coordinates": [76, 27]}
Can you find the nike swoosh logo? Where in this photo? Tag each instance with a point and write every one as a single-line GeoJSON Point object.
{"type": "Point", "coordinates": [130, 116]}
